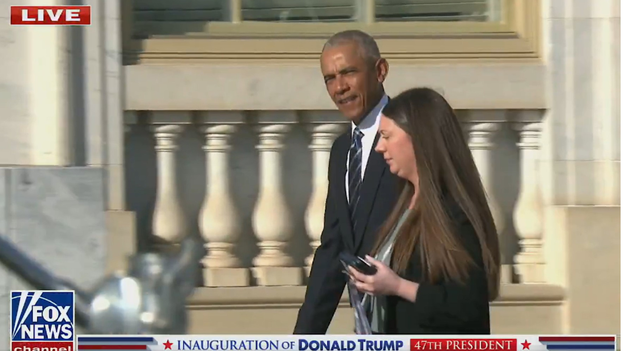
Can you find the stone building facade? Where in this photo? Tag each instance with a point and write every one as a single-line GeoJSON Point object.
{"type": "Point", "coordinates": [165, 119]}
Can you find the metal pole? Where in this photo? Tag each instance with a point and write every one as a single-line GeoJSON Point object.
{"type": "Point", "coordinates": [40, 278]}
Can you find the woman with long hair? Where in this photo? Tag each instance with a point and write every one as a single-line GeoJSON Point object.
{"type": "Point", "coordinates": [437, 256]}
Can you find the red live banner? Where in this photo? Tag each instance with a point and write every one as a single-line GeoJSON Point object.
{"type": "Point", "coordinates": [51, 15]}
{"type": "Point", "coordinates": [497, 344]}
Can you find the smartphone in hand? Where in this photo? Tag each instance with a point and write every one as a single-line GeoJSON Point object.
{"type": "Point", "coordinates": [360, 264]}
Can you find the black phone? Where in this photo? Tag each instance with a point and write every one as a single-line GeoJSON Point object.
{"type": "Point", "coordinates": [358, 263]}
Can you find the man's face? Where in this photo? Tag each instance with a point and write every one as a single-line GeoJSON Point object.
{"type": "Point", "coordinates": [353, 83]}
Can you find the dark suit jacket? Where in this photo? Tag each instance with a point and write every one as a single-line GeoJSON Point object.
{"type": "Point", "coordinates": [378, 195]}
{"type": "Point", "coordinates": [447, 307]}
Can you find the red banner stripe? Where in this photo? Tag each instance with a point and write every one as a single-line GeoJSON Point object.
{"type": "Point", "coordinates": [112, 347]}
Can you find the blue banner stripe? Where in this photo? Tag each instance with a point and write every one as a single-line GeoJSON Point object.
{"type": "Point", "coordinates": [581, 347]}
{"type": "Point", "coordinates": [559, 343]}
{"type": "Point", "coordinates": [116, 339]}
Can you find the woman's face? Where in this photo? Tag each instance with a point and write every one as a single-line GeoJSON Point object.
{"type": "Point", "coordinates": [396, 147]}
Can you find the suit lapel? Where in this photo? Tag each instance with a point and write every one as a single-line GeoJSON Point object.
{"type": "Point", "coordinates": [342, 206]}
{"type": "Point", "coordinates": [372, 176]}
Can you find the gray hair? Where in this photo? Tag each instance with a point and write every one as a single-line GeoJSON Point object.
{"type": "Point", "coordinates": [366, 44]}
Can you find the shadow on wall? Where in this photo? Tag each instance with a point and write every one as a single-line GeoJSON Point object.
{"type": "Point", "coordinates": [141, 184]}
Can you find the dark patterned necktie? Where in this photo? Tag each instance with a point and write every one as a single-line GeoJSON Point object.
{"type": "Point", "coordinates": [355, 173]}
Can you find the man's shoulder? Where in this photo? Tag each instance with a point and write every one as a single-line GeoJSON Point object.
{"type": "Point", "coordinates": [341, 140]}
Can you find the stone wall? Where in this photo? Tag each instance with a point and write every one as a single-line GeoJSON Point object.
{"type": "Point", "coordinates": [56, 215]}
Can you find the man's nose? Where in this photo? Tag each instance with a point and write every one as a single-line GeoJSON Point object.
{"type": "Point", "coordinates": [341, 85]}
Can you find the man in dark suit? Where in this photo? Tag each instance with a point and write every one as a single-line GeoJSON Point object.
{"type": "Point", "coordinates": [362, 191]}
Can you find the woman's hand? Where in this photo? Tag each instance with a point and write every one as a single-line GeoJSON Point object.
{"type": "Point", "coordinates": [384, 282]}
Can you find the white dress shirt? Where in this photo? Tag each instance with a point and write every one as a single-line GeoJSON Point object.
{"type": "Point", "coordinates": [369, 127]}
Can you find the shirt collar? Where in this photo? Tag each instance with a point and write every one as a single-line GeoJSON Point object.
{"type": "Point", "coordinates": [370, 123]}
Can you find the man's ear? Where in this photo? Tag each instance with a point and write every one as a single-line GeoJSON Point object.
{"type": "Point", "coordinates": [381, 68]}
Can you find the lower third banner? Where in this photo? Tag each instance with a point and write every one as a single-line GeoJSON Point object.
{"type": "Point", "coordinates": [345, 342]}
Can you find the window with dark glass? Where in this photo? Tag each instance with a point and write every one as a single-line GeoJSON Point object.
{"type": "Point", "coordinates": [186, 13]}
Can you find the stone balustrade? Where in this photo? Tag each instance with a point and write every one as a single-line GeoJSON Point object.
{"type": "Point", "coordinates": [253, 186]}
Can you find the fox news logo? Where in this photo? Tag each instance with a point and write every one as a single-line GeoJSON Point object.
{"type": "Point", "coordinates": [42, 320]}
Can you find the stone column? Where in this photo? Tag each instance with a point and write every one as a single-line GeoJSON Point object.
{"type": "Point", "coordinates": [581, 154]}
{"type": "Point", "coordinates": [219, 221]}
{"type": "Point", "coordinates": [365, 11]}
{"type": "Point", "coordinates": [480, 127]}
{"type": "Point", "coordinates": [272, 222]}
{"type": "Point", "coordinates": [50, 93]}
{"type": "Point", "coordinates": [493, 10]}
{"type": "Point", "coordinates": [528, 220]}
{"type": "Point", "coordinates": [97, 62]}
{"type": "Point", "coordinates": [581, 160]}
{"type": "Point", "coordinates": [169, 221]}
{"type": "Point", "coordinates": [323, 136]}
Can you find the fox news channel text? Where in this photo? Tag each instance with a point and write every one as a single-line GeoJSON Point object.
{"type": "Point", "coordinates": [346, 343]}
{"type": "Point", "coordinates": [42, 320]}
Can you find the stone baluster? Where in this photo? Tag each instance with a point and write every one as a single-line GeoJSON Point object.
{"type": "Point", "coordinates": [271, 220]}
{"type": "Point", "coordinates": [168, 222]}
{"type": "Point", "coordinates": [219, 221]}
{"type": "Point", "coordinates": [323, 136]}
{"type": "Point", "coordinates": [529, 262]}
{"type": "Point", "coordinates": [480, 136]}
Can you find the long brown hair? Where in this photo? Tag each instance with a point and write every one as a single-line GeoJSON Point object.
{"type": "Point", "coordinates": [446, 172]}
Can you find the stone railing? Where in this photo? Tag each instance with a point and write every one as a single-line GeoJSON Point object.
{"type": "Point", "coordinates": [253, 185]}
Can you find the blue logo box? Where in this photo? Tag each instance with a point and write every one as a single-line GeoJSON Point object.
{"type": "Point", "coordinates": [38, 315]}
